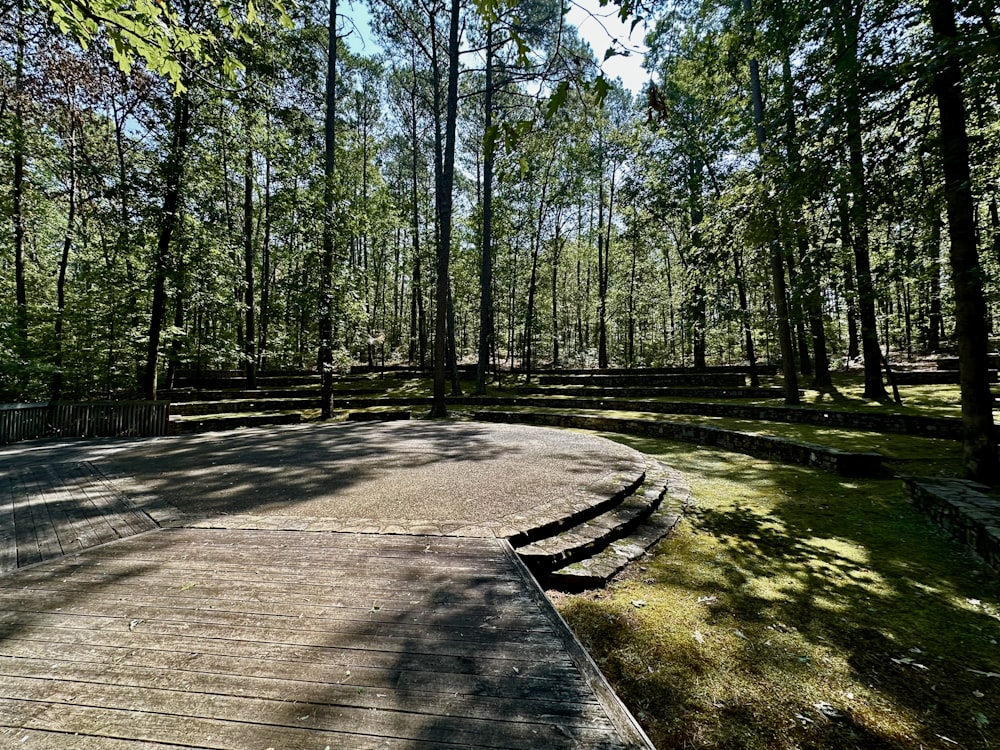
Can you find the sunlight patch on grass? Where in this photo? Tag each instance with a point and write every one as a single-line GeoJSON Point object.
{"type": "Point", "coordinates": [796, 609]}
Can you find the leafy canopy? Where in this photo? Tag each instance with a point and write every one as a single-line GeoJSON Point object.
{"type": "Point", "coordinates": [155, 32]}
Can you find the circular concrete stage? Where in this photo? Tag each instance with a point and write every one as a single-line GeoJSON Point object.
{"type": "Point", "coordinates": [474, 479]}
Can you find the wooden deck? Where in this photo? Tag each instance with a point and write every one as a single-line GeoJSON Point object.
{"type": "Point", "coordinates": [222, 638]}
{"type": "Point", "coordinates": [48, 511]}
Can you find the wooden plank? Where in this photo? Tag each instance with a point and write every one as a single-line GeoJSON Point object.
{"type": "Point", "coordinates": [581, 712]}
{"type": "Point", "coordinates": [8, 534]}
{"type": "Point", "coordinates": [256, 643]}
{"type": "Point", "coordinates": [374, 674]}
{"type": "Point", "coordinates": [162, 617]}
{"type": "Point", "coordinates": [628, 728]}
{"type": "Point", "coordinates": [75, 530]}
{"type": "Point", "coordinates": [172, 715]}
{"type": "Point", "coordinates": [232, 639]}
{"type": "Point", "coordinates": [31, 738]}
{"type": "Point", "coordinates": [36, 538]}
{"type": "Point", "coordinates": [115, 508]}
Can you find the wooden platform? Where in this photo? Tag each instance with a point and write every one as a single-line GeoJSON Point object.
{"type": "Point", "coordinates": [52, 510]}
{"type": "Point", "coordinates": [220, 638]}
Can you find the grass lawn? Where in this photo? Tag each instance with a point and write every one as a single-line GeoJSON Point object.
{"type": "Point", "coordinates": [798, 609]}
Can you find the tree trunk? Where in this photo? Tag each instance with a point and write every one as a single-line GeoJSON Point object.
{"type": "Point", "coordinates": [556, 251]}
{"type": "Point", "coordinates": [265, 259]}
{"type": "Point", "coordinates": [447, 178]}
{"type": "Point", "coordinates": [774, 247]}
{"type": "Point", "coordinates": [17, 199]}
{"type": "Point", "coordinates": [173, 174]}
{"type": "Point", "coordinates": [486, 261]}
{"type": "Point", "coordinates": [250, 339]}
{"type": "Point", "coordinates": [741, 290]}
{"type": "Point", "coordinates": [57, 357]}
{"type": "Point", "coordinates": [603, 256]}
{"type": "Point", "coordinates": [871, 353]}
{"type": "Point", "coordinates": [325, 358]}
{"type": "Point", "coordinates": [979, 441]}
{"type": "Point", "coordinates": [935, 315]}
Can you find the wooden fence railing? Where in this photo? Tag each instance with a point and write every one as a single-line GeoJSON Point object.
{"type": "Point", "coordinates": [93, 419]}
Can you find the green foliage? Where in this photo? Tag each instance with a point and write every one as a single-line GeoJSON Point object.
{"type": "Point", "coordinates": [162, 37]}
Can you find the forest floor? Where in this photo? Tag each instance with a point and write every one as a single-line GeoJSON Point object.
{"type": "Point", "coordinates": [798, 609]}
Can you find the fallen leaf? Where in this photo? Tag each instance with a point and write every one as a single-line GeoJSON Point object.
{"type": "Point", "coordinates": [707, 599]}
{"type": "Point", "coordinates": [828, 710]}
{"type": "Point", "coordinates": [698, 636]}
{"type": "Point", "coordinates": [907, 661]}
{"type": "Point", "coordinates": [638, 603]}
{"type": "Point", "coordinates": [740, 634]}
{"type": "Point", "coordinates": [984, 674]}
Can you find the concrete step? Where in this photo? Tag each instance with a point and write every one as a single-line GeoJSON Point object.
{"type": "Point", "coordinates": [184, 425]}
{"type": "Point", "coordinates": [231, 406]}
{"type": "Point", "coordinates": [637, 379]}
{"type": "Point", "coordinates": [653, 392]}
{"type": "Point", "coordinates": [591, 552]}
{"type": "Point", "coordinates": [263, 381]}
{"type": "Point", "coordinates": [595, 571]}
{"type": "Point", "coordinates": [592, 535]}
{"type": "Point", "coordinates": [179, 395]}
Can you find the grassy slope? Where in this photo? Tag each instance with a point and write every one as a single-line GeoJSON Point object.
{"type": "Point", "coordinates": [798, 609]}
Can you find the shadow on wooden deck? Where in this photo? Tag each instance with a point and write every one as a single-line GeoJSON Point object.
{"type": "Point", "coordinates": [216, 638]}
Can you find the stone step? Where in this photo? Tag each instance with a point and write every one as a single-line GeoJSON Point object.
{"type": "Point", "coordinates": [655, 392]}
{"type": "Point", "coordinates": [934, 377]}
{"type": "Point", "coordinates": [595, 571]}
{"type": "Point", "coordinates": [184, 425]}
{"type": "Point", "coordinates": [762, 370]}
{"type": "Point", "coordinates": [232, 406]}
{"type": "Point", "coordinates": [592, 535]}
{"type": "Point", "coordinates": [179, 395]}
{"type": "Point", "coordinates": [263, 381]}
{"type": "Point", "coordinates": [719, 380]}
{"type": "Point", "coordinates": [771, 448]}
{"type": "Point", "coordinates": [378, 416]}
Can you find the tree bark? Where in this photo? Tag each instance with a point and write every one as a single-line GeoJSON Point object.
{"type": "Point", "coordinates": [871, 353]}
{"type": "Point", "coordinates": [173, 175]}
{"type": "Point", "coordinates": [774, 248]}
{"type": "Point", "coordinates": [17, 198]}
{"type": "Point", "coordinates": [447, 178]}
{"type": "Point", "coordinates": [57, 358]}
{"type": "Point", "coordinates": [971, 325]}
{"type": "Point", "coordinates": [250, 339]}
{"type": "Point", "coordinates": [486, 261]}
{"type": "Point", "coordinates": [329, 217]}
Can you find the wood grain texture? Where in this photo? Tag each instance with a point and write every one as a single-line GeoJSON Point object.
{"type": "Point", "coordinates": [55, 510]}
{"type": "Point", "coordinates": [215, 638]}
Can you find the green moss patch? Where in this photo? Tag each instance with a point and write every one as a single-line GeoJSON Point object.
{"type": "Point", "coordinates": [796, 609]}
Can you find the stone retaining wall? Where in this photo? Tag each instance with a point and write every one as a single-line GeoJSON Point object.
{"type": "Point", "coordinates": [963, 511]}
{"type": "Point", "coordinates": [761, 446]}
{"type": "Point", "coordinates": [718, 380]}
{"type": "Point", "coordinates": [897, 424]}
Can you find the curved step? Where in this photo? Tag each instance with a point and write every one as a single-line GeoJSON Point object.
{"type": "Point", "coordinates": [596, 570]}
{"type": "Point", "coordinates": [213, 422]}
{"type": "Point", "coordinates": [591, 535]}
